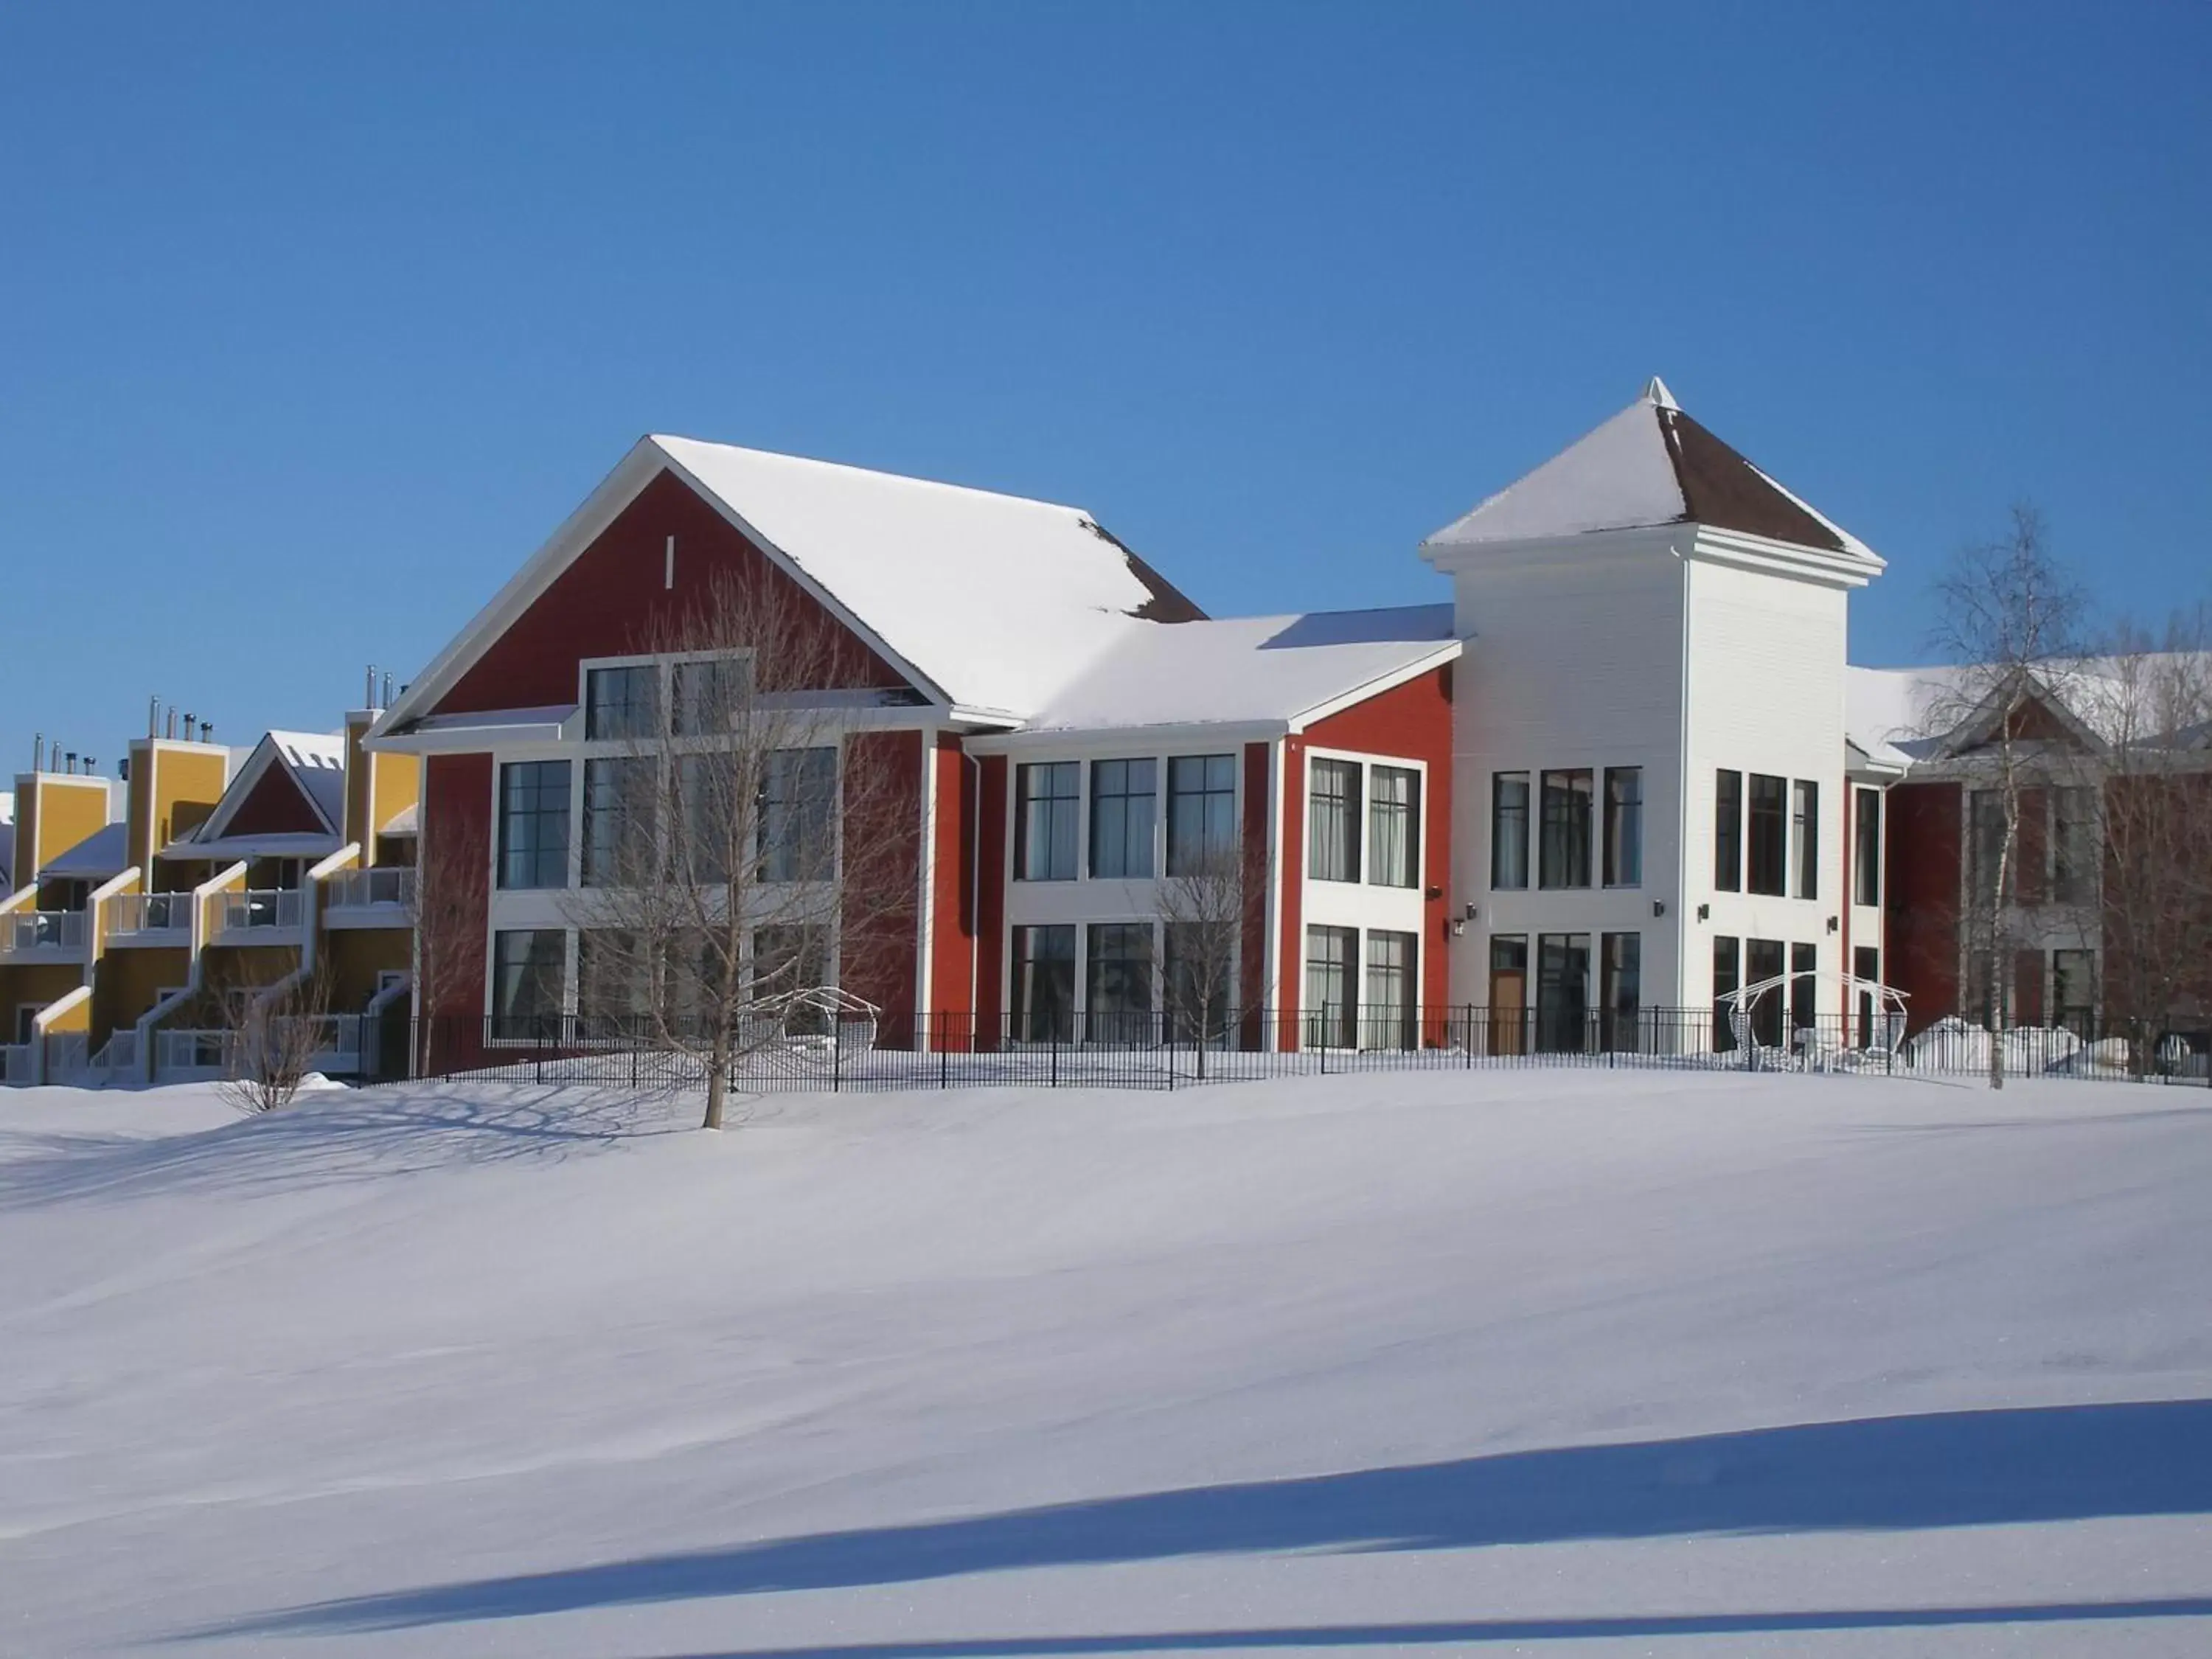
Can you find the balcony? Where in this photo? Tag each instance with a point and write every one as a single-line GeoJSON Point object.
{"type": "Point", "coordinates": [259, 913]}
{"type": "Point", "coordinates": [41, 933]}
{"type": "Point", "coordinates": [150, 918]}
{"type": "Point", "coordinates": [381, 897]}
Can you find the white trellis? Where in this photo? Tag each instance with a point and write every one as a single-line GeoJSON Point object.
{"type": "Point", "coordinates": [814, 1027]}
{"type": "Point", "coordinates": [1883, 1038]}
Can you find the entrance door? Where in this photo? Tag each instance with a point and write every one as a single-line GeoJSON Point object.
{"type": "Point", "coordinates": [1509, 993]}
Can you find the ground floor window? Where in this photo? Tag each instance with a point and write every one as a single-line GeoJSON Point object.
{"type": "Point", "coordinates": [1866, 964]}
{"type": "Point", "coordinates": [614, 984]}
{"type": "Point", "coordinates": [1200, 964]}
{"type": "Point", "coordinates": [1509, 993]}
{"type": "Point", "coordinates": [1118, 986]}
{"type": "Point", "coordinates": [529, 982]}
{"type": "Point", "coordinates": [1762, 961]}
{"type": "Point", "coordinates": [788, 958]}
{"type": "Point", "coordinates": [1332, 956]}
{"type": "Point", "coordinates": [1728, 963]}
{"type": "Point", "coordinates": [1804, 990]}
{"type": "Point", "coordinates": [2074, 991]}
{"type": "Point", "coordinates": [1562, 992]}
{"type": "Point", "coordinates": [1621, 990]}
{"type": "Point", "coordinates": [1043, 1007]}
{"type": "Point", "coordinates": [1388, 1018]}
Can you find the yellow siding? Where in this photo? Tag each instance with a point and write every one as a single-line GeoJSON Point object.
{"type": "Point", "coordinates": [34, 983]}
{"type": "Point", "coordinates": [66, 810]}
{"type": "Point", "coordinates": [396, 784]}
{"type": "Point", "coordinates": [354, 955]}
{"type": "Point", "coordinates": [130, 982]}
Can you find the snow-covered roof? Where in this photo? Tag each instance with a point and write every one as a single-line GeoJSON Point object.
{"type": "Point", "coordinates": [1236, 669]}
{"type": "Point", "coordinates": [998, 600]}
{"type": "Point", "coordinates": [314, 760]}
{"type": "Point", "coordinates": [1912, 712]}
{"type": "Point", "coordinates": [102, 852]}
{"type": "Point", "coordinates": [402, 823]}
{"type": "Point", "coordinates": [1651, 464]}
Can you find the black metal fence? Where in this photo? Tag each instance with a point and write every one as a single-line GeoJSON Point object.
{"type": "Point", "coordinates": [819, 1051]}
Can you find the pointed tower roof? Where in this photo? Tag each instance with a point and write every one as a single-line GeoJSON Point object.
{"type": "Point", "coordinates": [1650, 464]}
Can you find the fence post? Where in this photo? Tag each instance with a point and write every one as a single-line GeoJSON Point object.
{"type": "Point", "coordinates": [944, 1056]}
{"type": "Point", "coordinates": [836, 1058]}
{"type": "Point", "coordinates": [1055, 1072]}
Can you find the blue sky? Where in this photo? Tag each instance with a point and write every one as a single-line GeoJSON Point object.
{"type": "Point", "coordinates": [315, 320]}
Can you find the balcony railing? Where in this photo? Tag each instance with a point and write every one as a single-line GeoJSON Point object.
{"type": "Point", "coordinates": [390, 888]}
{"type": "Point", "coordinates": [149, 912]}
{"type": "Point", "coordinates": [176, 1052]}
{"type": "Point", "coordinates": [42, 930]}
{"type": "Point", "coordinates": [256, 909]}
{"type": "Point", "coordinates": [15, 1063]}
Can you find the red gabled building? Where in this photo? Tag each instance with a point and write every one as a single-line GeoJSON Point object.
{"type": "Point", "coordinates": [1064, 730]}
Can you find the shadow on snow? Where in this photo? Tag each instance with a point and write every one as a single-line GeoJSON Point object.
{"type": "Point", "coordinates": [1952, 1469]}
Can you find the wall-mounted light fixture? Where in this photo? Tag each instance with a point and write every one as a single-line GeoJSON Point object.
{"type": "Point", "coordinates": [1458, 927]}
{"type": "Point", "coordinates": [1658, 906]}
{"type": "Point", "coordinates": [1833, 924]}
{"type": "Point", "coordinates": [1470, 913]}
{"type": "Point", "coordinates": [1705, 913]}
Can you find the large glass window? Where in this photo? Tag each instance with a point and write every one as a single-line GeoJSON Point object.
{"type": "Point", "coordinates": [1762, 961]}
{"type": "Point", "coordinates": [1042, 1008]}
{"type": "Point", "coordinates": [614, 990]}
{"type": "Point", "coordinates": [1117, 1004]}
{"type": "Point", "coordinates": [1804, 989]}
{"type": "Point", "coordinates": [621, 702]}
{"type": "Point", "coordinates": [1045, 825]}
{"type": "Point", "coordinates": [533, 823]}
{"type": "Point", "coordinates": [1332, 960]}
{"type": "Point", "coordinates": [1620, 991]}
{"type": "Point", "coordinates": [618, 820]}
{"type": "Point", "coordinates": [1563, 855]}
{"type": "Point", "coordinates": [1624, 826]}
{"type": "Point", "coordinates": [710, 695]}
{"type": "Point", "coordinates": [1770, 836]}
{"type": "Point", "coordinates": [1866, 848]}
{"type": "Point", "coordinates": [712, 818]}
{"type": "Point", "coordinates": [1333, 822]}
{"type": "Point", "coordinates": [1509, 993]}
{"type": "Point", "coordinates": [788, 958]}
{"type": "Point", "coordinates": [797, 833]}
{"type": "Point", "coordinates": [1805, 835]}
{"type": "Point", "coordinates": [529, 982]}
{"type": "Point", "coordinates": [1509, 830]}
{"type": "Point", "coordinates": [1728, 964]}
{"type": "Point", "coordinates": [1201, 958]}
{"type": "Point", "coordinates": [2074, 990]}
{"type": "Point", "coordinates": [1562, 992]}
{"type": "Point", "coordinates": [1122, 793]}
{"type": "Point", "coordinates": [1865, 966]}
{"type": "Point", "coordinates": [2073, 845]}
{"type": "Point", "coordinates": [1728, 831]}
{"type": "Point", "coordinates": [1201, 813]}
{"type": "Point", "coordinates": [1394, 826]}
{"type": "Point", "coordinates": [1388, 1017]}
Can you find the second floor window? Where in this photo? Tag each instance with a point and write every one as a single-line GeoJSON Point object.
{"type": "Point", "coordinates": [711, 695]}
{"type": "Point", "coordinates": [1509, 830]}
{"type": "Point", "coordinates": [621, 702]}
{"type": "Point", "coordinates": [1122, 793]}
{"type": "Point", "coordinates": [1333, 822]}
{"type": "Point", "coordinates": [1624, 826]}
{"type": "Point", "coordinates": [1728, 831]}
{"type": "Point", "coordinates": [533, 823]}
{"type": "Point", "coordinates": [1770, 836]}
{"type": "Point", "coordinates": [1046, 827]}
{"type": "Point", "coordinates": [797, 815]}
{"type": "Point", "coordinates": [618, 820]}
{"type": "Point", "coordinates": [1986, 846]}
{"type": "Point", "coordinates": [1866, 848]}
{"type": "Point", "coordinates": [1563, 855]}
{"type": "Point", "coordinates": [1805, 830]}
{"type": "Point", "coordinates": [2073, 845]}
{"type": "Point", "coordinates": [1394, 826]}
{"type": "Point", "coordinates": [1201, 812]}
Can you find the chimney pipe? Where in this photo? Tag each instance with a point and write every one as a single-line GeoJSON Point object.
{"type": "Point", "coordinates": [68, 765]}
{"type": "Point", "coordinates": [386, 704]}
{"type": "Point", "coordinates": [368, 688]}
{"type": "Point", "coordinates": [153, 718]}
{"type": "Point", "coordinates": [172, 729]}
{"type": "Point", "coordinates": [191, 721]}
{"type": "Point", "coordinates": [207, 731]}
{"type": "Point", "coordinates": [38, 752]}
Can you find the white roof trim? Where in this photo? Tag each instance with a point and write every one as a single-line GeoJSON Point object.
{"type": "Point", "coordinates": [267, 752]}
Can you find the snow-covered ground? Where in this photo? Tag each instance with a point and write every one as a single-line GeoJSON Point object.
{"type": "Point", "coordinates": [1531, 1362]}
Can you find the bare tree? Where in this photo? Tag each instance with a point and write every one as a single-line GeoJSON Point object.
{"type": "Point", "coordinates": [446, 909]}
{"type": "Point", "coordinates": [2155, 696]}
{"type": "Point", "coordinates": [1201, 900]}
{"type": "Point", "coordinates": [2011, 618]}
{"type": "Point", "coordinates": [745, 837]}
{"type": "Point", "coordinates": [271, 1039]}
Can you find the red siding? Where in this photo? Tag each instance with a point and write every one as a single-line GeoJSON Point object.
{"type": "Point", "coordinates": [1412, 721]}
{"type": "Point", "coordinates": [1290, 953]}
{"type": "Point", "coordinates": [613, 597]}
{"type": "Point", "coordinates": [455, 842]}
{"type": "Point", "coordinates": [991, 895]}
{"type": "Point", "coordinates": [880, 945]}
{"type": "Point", "coordinates": [952, 893]}
{"type": "Point", "coordinates": [1253, 947]}
{"type": "Point", "coordinates": [275, 807]}
{"type": "Point", "coordinates": [1922, 903]}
